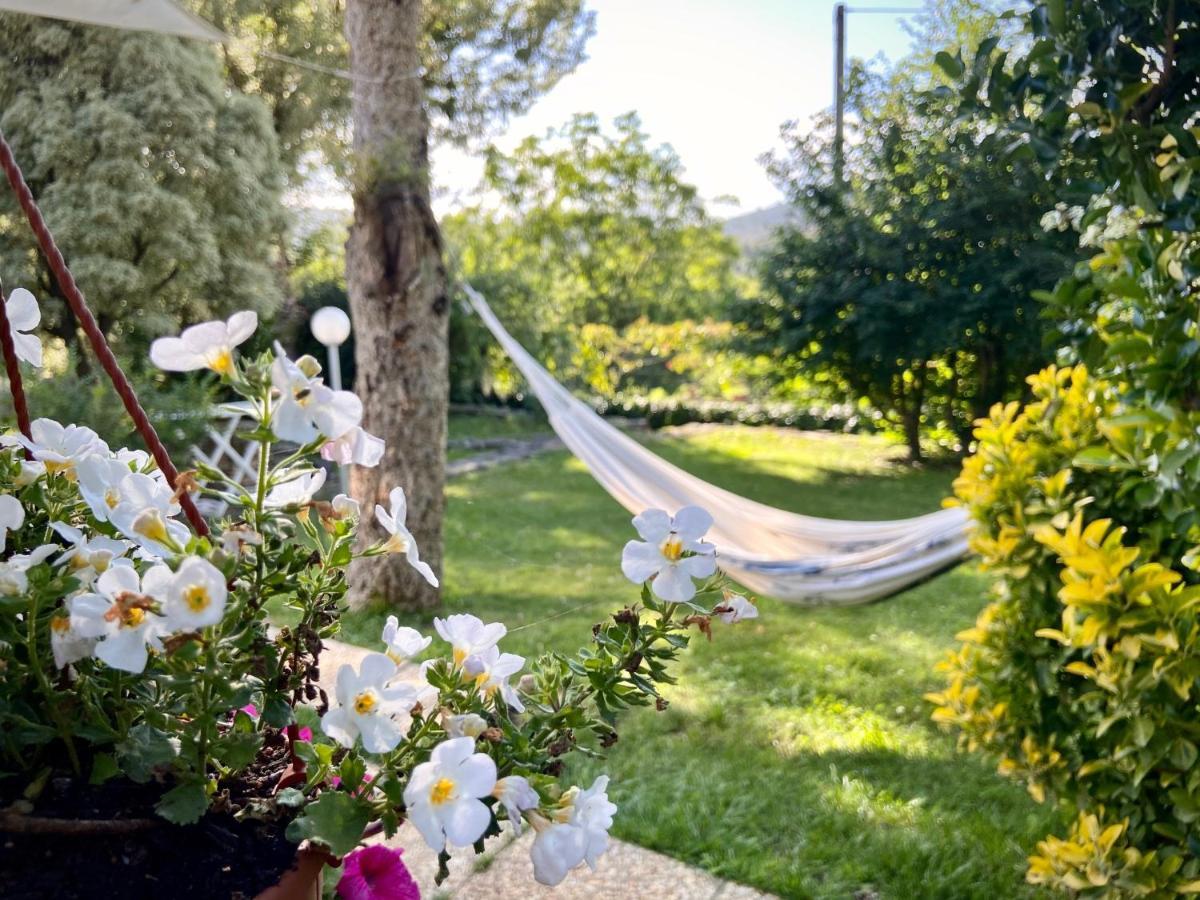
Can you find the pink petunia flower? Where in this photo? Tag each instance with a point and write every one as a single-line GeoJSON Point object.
{"type": "Point", "coordinates": [376, 873]}
{"type": "Point", "coordinates": [305, 734]}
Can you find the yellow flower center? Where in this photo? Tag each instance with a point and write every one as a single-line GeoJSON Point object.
{"type": "Point", "coordinates": [112, 497]}
{"type": "Point", "coordinates": [441, 791]}
{"type": "Point", "coordinates": [150, 524]}
{"type": "Point", "coordinates": [78, 561]}
{"type": "Point", "coordinates": [67, 468]}
{"type": "Point", "coordinates": [133, 617]}
{"type": "Point", "coordinates": [61, 624]}
{"type": "Point", "coordinates": [672, 547]}
{"type": "Point", "coordinates": [221, 361]}
{"type": "Point", "coordinates": [396, 544]}
{"type": "Point", "coordinates": [196, 597]}
{"type": "Point", "coordinates": [365, 703]}
{"type": "Point", "coordinates": [459, 655]}
{"type": "Point", "coordinates": [302, 396]}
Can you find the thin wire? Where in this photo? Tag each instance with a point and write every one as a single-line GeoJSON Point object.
{"type": "Point", "coordinates": [344, 74]}
{"type": "Point", "coordinates": [557, 615]}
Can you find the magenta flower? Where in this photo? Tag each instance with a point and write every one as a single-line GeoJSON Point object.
{"type": "Point", "coordinates": [251, 710]}
{"type": "Point", "coordinates": [305, 735]}
{"type": "Point", "coordinates": [376, 873]}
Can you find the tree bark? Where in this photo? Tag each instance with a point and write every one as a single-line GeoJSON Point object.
{"type": "Point", "coordinates": [397, 287]}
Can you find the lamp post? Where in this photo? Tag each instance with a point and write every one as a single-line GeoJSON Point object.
{"type": "Point", "coordinates": [331, 326]}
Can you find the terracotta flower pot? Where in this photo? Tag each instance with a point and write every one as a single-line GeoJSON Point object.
{"type": "Point", "coordinates": [303, 880]}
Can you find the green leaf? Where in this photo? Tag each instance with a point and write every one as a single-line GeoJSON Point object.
{"type": "Point", "coordinates": [1099, 458]}
{"type": "Point", "coordinates": [277, 712]}
{"type": "Point", "coordinates": [334, 819]}
{"type": "Point", "coordinates": [237, 749]}
{"type": "Point", "coordinates": [291, 797]}
{"type": "Point", "coordinates": [104, 767]}
{"type": "Point", "coordinates": [951, 65]}
{"type": "Point", "coordinates": [183, 804]}
{"type": "Point", "coordinates": [145, 750]}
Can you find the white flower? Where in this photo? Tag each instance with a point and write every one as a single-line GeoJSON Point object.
{"type": "Point", "coordinates": [401, 540]}
{"type": "Point", "coordinates": [345, 507]}
{"type": "Point", "coordinates": [205, 346]}
{"type": "Point", "coordinates": [579, 834]}
{"type": "Point", "coordinates": [12, 516]}
{"type": "Point", "coordinates": [465, 725]}
{"type": "Point", "coordinates": [734, 608]}
{"type": "Point", "coordinates": [659, 555]}
{"type": "Point", "coordinates": [234, 539]}
{"type": "Point", "coordinates": [86, 559]}
{"type": "Point", "coordinates": [403, 642]}
{"type": "Point", "coordinates": [13, 580]}
{"type": "Point", "coordinates": [557, 849]}
{"type": "Point", "coordinates": [492, 669]}
{"type": "Point", "coordinates": [143, 514]}
{"type": "Point", "coordinates": [119, 615]}
{"type": "Point", "coordinates": [307, 409]}
{"type": "Point", "coordinates": [468, 635]}
{"type": "Point", "coordinates": [23, 317]}
{"type": "Point", "coordinates": [296, 491]}
{"type": "Point", "coordinates": [195, 597]}
{"type": "Point", "coordinates": [67, 644]}
{"type": "Point", "coordinates": [515, 795]}
{"type": "Point", "coordinates": [60, 447]}
{"type": "Point", "coordinates": [100, 481]}
{"type": "Point", "coordinates": [356, 446]}
{"type": "Point", "coordinates": [366, 705]}
{"type": "Point", "coordinates": [443, 795]}
{"type": "Point", "coordinates": [31, 471]}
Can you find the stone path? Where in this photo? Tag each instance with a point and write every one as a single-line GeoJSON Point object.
{"type": "Point", "coordinates": [626, 871]}
{"type": "Point", "coordinates": [500, 452]}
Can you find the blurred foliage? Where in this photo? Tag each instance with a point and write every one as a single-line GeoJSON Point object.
{"type": "Point", "coordinates": [583, 226]}
{"type": "Point", "coordinates": [161, 186]}
{"type": "Point", "coordinates": [1082, 673]}
{"type": "Point", "coordinates": [178, 407]}
{"type": "Point", "coordinates": [913, 281]}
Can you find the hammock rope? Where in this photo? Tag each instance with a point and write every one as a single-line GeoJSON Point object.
{"type": "Point", "coordinates": [800, 559]}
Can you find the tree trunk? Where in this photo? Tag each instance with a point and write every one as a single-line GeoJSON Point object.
{"type": "Point", "coordinates": [912, 412]}
{"type": "Point", "coordinates": [397, 287]}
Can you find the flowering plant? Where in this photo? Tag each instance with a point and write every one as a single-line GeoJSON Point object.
{"type": "Point", "coordinates": [134, 647]}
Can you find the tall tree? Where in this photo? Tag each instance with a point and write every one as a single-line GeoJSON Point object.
{"type": "Point", "coordinates": [394, 271]}
{"type": "Point", "coordinates": [161, 185]}
{"type": "Point", "coordinates": [913, 283]}
{"type": "Point", "coordinates": [397, 286]}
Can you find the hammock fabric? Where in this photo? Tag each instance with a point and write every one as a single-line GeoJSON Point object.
{"type": "Point", "coordinates": [802, 559]}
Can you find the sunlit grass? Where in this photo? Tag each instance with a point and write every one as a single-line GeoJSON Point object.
{"type": "Point", "coordinates": [796, 755]}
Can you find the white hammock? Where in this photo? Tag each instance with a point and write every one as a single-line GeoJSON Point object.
{"type": "Point", "coordinates": [773, 552]}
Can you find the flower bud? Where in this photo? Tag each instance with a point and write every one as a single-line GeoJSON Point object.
{"type": "Point", "coordinates": [151, 524]}
{"type": "Point", "coordinates": [309, 366]}
{"type": "Point", "coordinates": [466, 725]}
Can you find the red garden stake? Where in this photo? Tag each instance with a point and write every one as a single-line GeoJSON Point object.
{"type": "Point", "coordinates": [70, 290]}
{"type": "Point", "coordinates": [13, 368]}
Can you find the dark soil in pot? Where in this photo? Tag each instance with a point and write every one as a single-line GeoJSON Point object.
{"type": "Point", "coordinates": [116, 848]}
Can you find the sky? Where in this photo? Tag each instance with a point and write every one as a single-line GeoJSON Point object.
{"type": "Point", "coordinates": [713, 78]}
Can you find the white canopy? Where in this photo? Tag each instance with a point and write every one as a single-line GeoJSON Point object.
{"type": "Point", "coordinates": [802, 559]}
{"type": "Point", "coordinates": [161, 16]}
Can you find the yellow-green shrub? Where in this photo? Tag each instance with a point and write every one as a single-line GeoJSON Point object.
{"type": "Point", "coordinates": [1081, 673]}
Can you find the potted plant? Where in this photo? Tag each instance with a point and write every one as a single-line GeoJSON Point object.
{"type": "Point", "coordinates": [157, 735]}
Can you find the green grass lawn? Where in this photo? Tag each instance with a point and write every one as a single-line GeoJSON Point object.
{"type": "Point", "coordinates": [796, 755]}
{"type": "Point", "coordinates": [515, 424]}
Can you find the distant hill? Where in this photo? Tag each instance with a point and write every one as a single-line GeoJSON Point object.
{"type": "Point", "coordinates": [753, 230]}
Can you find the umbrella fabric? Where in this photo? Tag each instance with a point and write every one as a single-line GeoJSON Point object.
{"type": "Point", "coordinates": [161, 16]}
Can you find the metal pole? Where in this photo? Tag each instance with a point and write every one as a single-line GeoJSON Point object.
{"type": "Point", "coordinates": [335, 382]}
{"type": "Point", "coordinates": [839, 86]}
